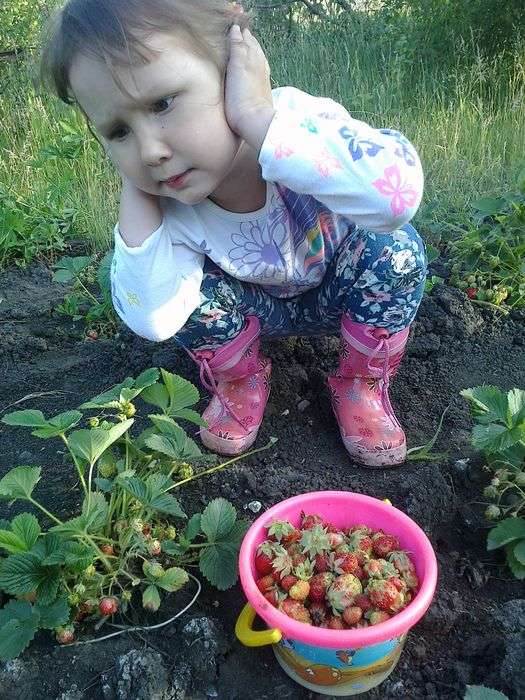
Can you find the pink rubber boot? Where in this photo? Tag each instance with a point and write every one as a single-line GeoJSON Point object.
{"type": "Point", "coordinates": [238, 376]}
{"type": "Point", "coordinates": [368, 357]}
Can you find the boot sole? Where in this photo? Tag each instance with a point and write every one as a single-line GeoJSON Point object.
{"type": "Point", "coordinates": [381, 459]}
{"type": "Point", "coordinates": [225, 446]}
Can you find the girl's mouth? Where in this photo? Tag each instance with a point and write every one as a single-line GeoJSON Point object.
{"type": "Point", "coordinates": [179, 181]}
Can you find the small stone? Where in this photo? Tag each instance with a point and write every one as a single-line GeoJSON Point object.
{"type": "Point", "coordinates": [254, 506]}
{"type": "Point", "coordinates": [303, 405]}
{"type": "Point", "coordinates": [286, 412]}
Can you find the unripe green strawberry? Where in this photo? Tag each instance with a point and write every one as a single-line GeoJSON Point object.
{"type": "Point", "coordinates": [94, 422]}
{"type": "Point", "coordinates": [107, 470]}
{"type": "Point", "coordinates": [490, 492]}
{"type": "Point", "coordinates": [186, 471]}
{"type": "Point", "coordinates": [73, 599]}
{"type": "Point", "coordinates": [137, 525]}
{"type": "Point", "coordinates": [492, 512]}
{"type": "Point", "coordinates": [90, 571]}
{"type": "Point", "coordinates": [300, 590]}
{"type": "Point", "coordinates": [79, 588]}
{"type": "Point", "coordinates": [519, 479]}
{"type": "Point", "coordinates": [65, 635]}
{"type": "Point", "coordinates": [171, 532]}
{"type": "Point", "coordinates": [126, 596]}
{"type": "Point", "coordinates": [128, 409]}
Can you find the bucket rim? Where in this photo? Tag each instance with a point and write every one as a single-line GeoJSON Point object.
{"type": "Point", "coordinates": [395, 627]}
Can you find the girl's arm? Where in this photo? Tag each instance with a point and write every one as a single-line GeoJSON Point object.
{"type": "Point", "coordinates": [140, 214]}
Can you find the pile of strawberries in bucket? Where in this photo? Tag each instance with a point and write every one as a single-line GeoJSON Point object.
{"type": "Point", "coordinates": [337, 578]}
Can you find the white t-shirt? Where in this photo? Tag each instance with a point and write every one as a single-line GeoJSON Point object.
{"type": "Point", "coordinates": [325, 173]}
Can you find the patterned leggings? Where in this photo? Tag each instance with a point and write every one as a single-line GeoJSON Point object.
{"type": "Point", "coordinates": [377, 278]}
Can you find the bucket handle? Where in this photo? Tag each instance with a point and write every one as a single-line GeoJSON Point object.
{"type": "Point", "coordinates": [250, 638]}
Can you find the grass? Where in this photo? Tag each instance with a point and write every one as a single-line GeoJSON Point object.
{"type": "Point", "coordinates": [468, 125]}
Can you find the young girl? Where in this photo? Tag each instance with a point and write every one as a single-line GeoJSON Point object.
{"type": "Point", "coordinates": [245, 211]}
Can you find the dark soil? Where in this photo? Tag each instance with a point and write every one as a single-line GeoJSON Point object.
{"type": "Point", "coordinates": [46, 364]}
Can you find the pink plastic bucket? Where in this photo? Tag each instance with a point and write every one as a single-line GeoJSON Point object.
{"type": "Point", "coordinates": [327, 661]}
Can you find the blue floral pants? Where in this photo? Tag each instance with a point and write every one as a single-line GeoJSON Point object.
{"type": "Point", "coordinates": [376, 278]}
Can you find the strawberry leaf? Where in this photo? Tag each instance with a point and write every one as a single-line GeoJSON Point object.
{"type": "Point", "coordinates": [19, 482]}
{"type": "Point", "coordinates": [193, 527]}
{"type": "Point", "coordinates": [18, 626]}
{"type": "Point", "coordinates": [53, 615]}
{"type": "Point", "coordinates": [28, 419]}
{"type": "Point", "coordinates": [516, 398]}
{"type": "Point", "coordinates": [517, 568]}
{"type": "Point", "coordinates": [90, 444]}
{"type": "Point", "coordinates": [157, 395]}
{"type": "Point", "coordinates": [494, 437]}
{"type": "Point", "coordinates": [182, 393]}
{"type": "Point", "coordinates": [506, 531]}
{"type": "Point", "coordinates": [218, 519]}
{"type": "Point", "coordinates": [27, 528]}
{"type": "Point", "coordinates": [488, 403]}
{"type": "Point", "coordinates": [219, 564]}
{"type": "Point", "coordinates": [173, 580]}
{"type": "Point", "coordinates": [519, 551]}
{"type": "Point", "coordinates": [58, 424]}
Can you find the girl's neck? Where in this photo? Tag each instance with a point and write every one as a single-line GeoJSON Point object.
{"type": "Point", "coordinates": [244, 189]}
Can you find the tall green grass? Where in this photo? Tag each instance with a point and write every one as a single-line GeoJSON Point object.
{"type": "Point", "coordinates": [467, 124]}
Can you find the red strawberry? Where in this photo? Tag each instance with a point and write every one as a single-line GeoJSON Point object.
{"type": "Point", "coordinates": [319, 584]}
{"type": "Point", "coordinates": [471, 292]}
{"type": "Point", "coordinates": [263, 559]}
{"type": "Point", "coordinates": [384, 544]}
{"type": "Point", "coordinates": [398, 583]}
{"type": "Point", "coordinates": [352, 615]}
{"type": "Point", "coordinates": [296, 610]}
{"type": "Point", "coordinates": [108, 550]}
{"type": "Point", "coordinates": [332, 528]}
{"type": "Point", "coordinates": [265, 583]}
{"type": "Point", "coordinates": [308, 521]}
{"type": "Point", "coordinates": [363, 601]}
{"type": "Point", "coordinates": [65, 635]}
{"type": "Point", "coordinates": [334, 622]}
{"type": "Point", "coordinates": [272, 597]}
{"type": "Point", "coordinates": [298, 559]}
{"type": "Point", "coordinates": [318, 612]}
{"type": "Point", "coordinates": [92, 334]}
{"type": "Point", "coordinates": [288, 581]}
{"type": "Point", "coordinates": [322, 562]}
{"type": "Point", "coordinates": [336, 539]}
{"type": "Point", "coordinates": [346, 564]}
{"type": "Point", "coordinates": [291, 537]}
{"type": "Point", "coordinates": [276, 575]}
{"type": "Point", "coordinates": [383, 594]}
{"type": "Point", "coordinates": [108, 606]}
{"type": "Point", "coordinates": [343, 591]}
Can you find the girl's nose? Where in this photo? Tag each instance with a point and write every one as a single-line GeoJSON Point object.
{"type": "Point", "coordinates": [154, 149]}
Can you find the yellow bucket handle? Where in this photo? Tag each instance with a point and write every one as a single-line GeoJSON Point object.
{"type": "Point", "coordinates": [250, 638]}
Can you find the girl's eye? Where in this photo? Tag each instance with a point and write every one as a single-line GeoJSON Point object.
{"type": "Point", "coordinates": [118, 134]}
{"type": "Point", "coordinates": [163, 104]}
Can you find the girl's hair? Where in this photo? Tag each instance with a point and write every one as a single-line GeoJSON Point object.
{"type": "Point", "coordinates": [116, 31]}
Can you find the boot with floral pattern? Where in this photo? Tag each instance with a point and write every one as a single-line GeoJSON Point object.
{"type": "Point", "coordinates": [238, 376]}
{"type": "Point", "coordinates": [368, 357]}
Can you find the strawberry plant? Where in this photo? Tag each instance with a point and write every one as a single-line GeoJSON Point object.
{"type": "Point", "coordinates": [488, 258]}
{"type": "Point", "coordinates": [500, 433]}
{"type": "Point", "coordinates": [132, 542]}
{"type": "Point", "coordinates": [81, 302]}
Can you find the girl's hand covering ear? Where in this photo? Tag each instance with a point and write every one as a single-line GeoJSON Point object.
{"type": "Point", "coordinates": [247, 91]}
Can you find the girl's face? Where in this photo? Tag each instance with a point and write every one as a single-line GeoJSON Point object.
{"type": "Point", "coordinates": [174, 122]}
